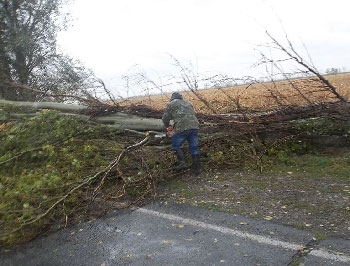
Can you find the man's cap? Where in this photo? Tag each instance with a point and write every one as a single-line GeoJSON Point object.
{"type": "Point", "coordinates": [176, 95]}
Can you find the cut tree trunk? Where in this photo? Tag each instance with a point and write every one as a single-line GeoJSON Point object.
{"type": "Point", "coordinates": [118, 119]}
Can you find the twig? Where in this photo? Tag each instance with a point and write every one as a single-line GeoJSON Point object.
{"type": "Point", "coordinates": [117, 160]}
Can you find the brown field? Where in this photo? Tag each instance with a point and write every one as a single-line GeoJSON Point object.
{"type": "Point", "coordinates": [259, 96]}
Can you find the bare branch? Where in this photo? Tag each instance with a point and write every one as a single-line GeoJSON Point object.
{"type": "Point", "coordinates": [297, 58]}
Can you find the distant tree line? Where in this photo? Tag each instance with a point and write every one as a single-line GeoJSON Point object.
{"type": "Point", "coordinates": [334, 71]}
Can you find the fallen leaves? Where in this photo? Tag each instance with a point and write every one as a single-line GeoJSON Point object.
{"type": "Point", "coordinates": [274, 198]}
{"type": "Point", "coordinates": [268, 218]}
{"type": "Point", "coordinates": [178, 225]}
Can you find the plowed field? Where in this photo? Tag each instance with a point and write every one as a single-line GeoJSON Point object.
{"type": "Point", "coordinates": [259, 96]}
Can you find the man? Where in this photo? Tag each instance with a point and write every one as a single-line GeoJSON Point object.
{"type": "Point", "coordinates": [186, 128]}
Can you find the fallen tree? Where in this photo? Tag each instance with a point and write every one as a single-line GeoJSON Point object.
{"type": "Point", "coordinates": [81, 160]}
{"type": "Point", "coordinates": [69, 164]}
{"type": "Point", "coordinates": [104, 114]}
{"type": "Point", "coordinates": [57, 168]}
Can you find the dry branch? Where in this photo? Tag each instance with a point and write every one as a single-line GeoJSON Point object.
{"type": "Point", "coordinates": [296, 57]}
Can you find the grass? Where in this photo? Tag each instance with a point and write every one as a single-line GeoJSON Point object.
{"type": "Point", "coordinates": [314, 166]}
{"type": "Point", "coordinates": [309, 193]}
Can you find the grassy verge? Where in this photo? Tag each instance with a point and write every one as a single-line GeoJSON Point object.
{"type": "Point", "coordinates": [309, 192]}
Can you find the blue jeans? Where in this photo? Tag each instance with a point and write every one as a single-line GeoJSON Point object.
{"type": "Point", "coordinates": [191, 135]}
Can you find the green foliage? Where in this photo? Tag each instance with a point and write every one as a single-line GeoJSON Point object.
{"type": "Point", "coordinates": [238, 152]}
{"type": "Point", "coordinates": [323, 126]}
{"type": "Point", "coordinates": [285, 150]}
{"type": "Point", "coordinates": [41, 159]}
{"type": "Point", "coordinates": [44, 157]}
{"type": "Point", "coordinates": [316, 165]}
{"type": "Point", "coordinates": [27, 41]}
{"type": "Point", "coordinates": [254, 153]}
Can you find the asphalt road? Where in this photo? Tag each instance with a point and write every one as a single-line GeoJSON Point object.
{"type": "Point", "coordinates": [164, 234]}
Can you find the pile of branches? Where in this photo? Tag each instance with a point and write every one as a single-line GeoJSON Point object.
{"type": "Point", "coordinates": [275, 120]}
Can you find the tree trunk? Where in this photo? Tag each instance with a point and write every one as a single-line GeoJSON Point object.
{"type": "Point", "coordinates": [118, 119]}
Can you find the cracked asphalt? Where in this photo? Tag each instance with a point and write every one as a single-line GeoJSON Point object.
{"type": "Point", "coordinates": [178, 234]}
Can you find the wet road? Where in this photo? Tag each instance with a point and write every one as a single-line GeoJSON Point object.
{"type": "Point", "coordinates": [164, 234]}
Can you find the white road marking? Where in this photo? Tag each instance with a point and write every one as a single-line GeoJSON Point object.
{"type": "Point", "coordinates": [329, 256]}
{"type": "Point", "coordinates": [257, 238]}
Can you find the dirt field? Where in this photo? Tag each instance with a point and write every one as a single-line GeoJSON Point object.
{"type": "Point", "coordinates": [260, 96]}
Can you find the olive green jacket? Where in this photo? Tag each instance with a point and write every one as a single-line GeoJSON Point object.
{"type": "Point", "coordinates": [183, 115]}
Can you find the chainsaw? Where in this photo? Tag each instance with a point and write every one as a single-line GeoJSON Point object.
{"type": "Point", "coordinates": [169, 132]}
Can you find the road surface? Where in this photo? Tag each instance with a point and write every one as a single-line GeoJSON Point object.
{"type": "Point", "coordinates": [176, 234]}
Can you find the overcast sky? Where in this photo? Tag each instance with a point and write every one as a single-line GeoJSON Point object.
{"type": "Point", "coordinates": [114, 37]}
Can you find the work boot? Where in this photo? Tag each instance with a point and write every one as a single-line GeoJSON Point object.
{"type": "Point", "coordinates": [181, 161]}
{"type": "Point", "coordinates": [196, 164]}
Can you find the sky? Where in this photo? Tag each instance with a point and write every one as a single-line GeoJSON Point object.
{"type": "Point", "coordinates": [118, 38]}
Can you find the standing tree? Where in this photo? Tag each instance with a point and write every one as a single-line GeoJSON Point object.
{"type": "Point", "coordinates": [28, 41]}
{"type": "Point", "coordinates": [31, 68]}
